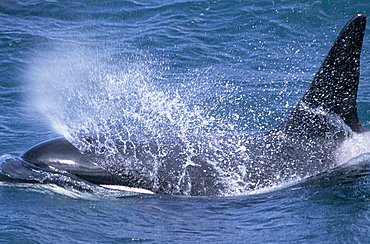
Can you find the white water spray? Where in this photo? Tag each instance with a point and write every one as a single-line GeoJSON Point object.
{"type": "Point", "coordinates": [81, 91]}
{"type": "Point", "coordinates": [350, 149]}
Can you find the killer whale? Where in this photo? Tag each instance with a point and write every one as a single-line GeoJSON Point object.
{"type": "Point", "coordinates": [230, 163]}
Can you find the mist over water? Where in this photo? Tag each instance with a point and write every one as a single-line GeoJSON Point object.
{"type": "Point", "coordinates": [83, 91]}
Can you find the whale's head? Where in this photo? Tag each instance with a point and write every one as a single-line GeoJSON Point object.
{"type": "Point", "coordinates": [61, 155]}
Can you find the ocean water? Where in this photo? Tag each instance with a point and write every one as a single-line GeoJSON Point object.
{"type": "Point", "coordinates": [230, 65]}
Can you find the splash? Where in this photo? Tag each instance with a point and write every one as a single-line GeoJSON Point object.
{"type": "Point", "coordinates": [104, 103]}
{"type": "Point", "coordinates": [112, 100]}
{"type": "Point", "coordinates": [82, 92]}
{"type": "Point", "coordinates": [352, 149]}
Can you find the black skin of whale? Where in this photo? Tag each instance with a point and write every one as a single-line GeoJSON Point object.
{"type": "Point", "coordinates": [302, 146]}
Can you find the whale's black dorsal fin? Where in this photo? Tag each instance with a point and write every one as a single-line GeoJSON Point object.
{"type": "Point", "coordinates": [335, 85]}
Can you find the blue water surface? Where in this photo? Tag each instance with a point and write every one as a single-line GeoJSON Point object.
{"type": "Point", "coordinates": [242, 65]}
